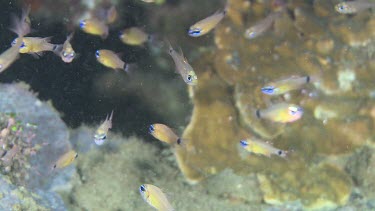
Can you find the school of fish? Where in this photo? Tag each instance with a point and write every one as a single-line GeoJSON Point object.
{"type": "Point", "coordinates": [98, 25]}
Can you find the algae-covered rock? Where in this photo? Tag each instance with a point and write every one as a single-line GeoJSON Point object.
{"type": "Point", "coordinates": [19, 198]}
{"type": "Point", "coordinates": [51, 132]}
{"type": "Point", "coordinates": [109, 178]}
{"type": "Point", "coordinates": [307, 39]}
{"type": "Point", "coordinates": [317, 188]}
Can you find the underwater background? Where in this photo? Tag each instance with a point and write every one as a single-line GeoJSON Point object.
{"type": "Point", "coordinates": [236, 146]}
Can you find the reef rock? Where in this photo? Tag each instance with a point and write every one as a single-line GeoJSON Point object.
{"type": "Point", "coordinates": [308, 42]}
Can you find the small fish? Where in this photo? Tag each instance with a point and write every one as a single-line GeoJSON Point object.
{"type": "Point", "coordinates": [182, 66]}
{"type": "Point", "coordinates": [35, 45]}
{"type": "Point", "coordinates": [285, 85]}
{"type": "Point", "coordinates": [165, 134]}
{"type": "Point", "coordinates": [66, 159]}
{"type": "Point", "coordinates": [110, 59]}
{"type": "Point", "coordinates": [352, 7]}
{"type": "Point", "coordinates": [21, 26]}
{"type": "Point", "coordinates": [101, 133]}
{"type": "Point", "coordinates": [204, 26]}
{"type": "Point", "coordinates": [66, 51]}
{"type": "Point", "coordinates": [282, 113]}
{"type": "Point", "coordinates": [111, 15]}
{"type": "Point", "coordinates": [155, 197]}
{"type": "Point", "coordinates": [134, 36]}
{"type": "Point", "coordinates": [262, 26]}
{"type": "Point", "coordinates": [262, 148]}
{"type": "Point", "coordinates": [95, 27]}
{"type": "Point", "coordinates": [10, 55]}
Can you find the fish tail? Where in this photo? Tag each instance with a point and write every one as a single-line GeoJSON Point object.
{"type": "Point", "coordinates": [21, 26]}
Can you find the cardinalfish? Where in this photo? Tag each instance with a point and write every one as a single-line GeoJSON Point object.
{"type": "Point", "coordinates": [35, 45]}
{"type": "Point", "coordinates": [66, 51]}
{"type": "Point", "coordinates": [134, 36]}
{"type": "Point", "coordinates": [182, 66]}
{"type": "Point", "coordinates": [282, 113]}
{"type": "Point", "coordinates": [110, 59]}
{"type": "Point", "coordinates": [21, 26]}
{"type": "Point", "coordinates": [101, 133]}
{"type": "Point", "coordinates": [66, 159]}
{"type": "Point", "coordinates": [165, 134]}
{"type": "Point", "coordinates": [155, 197]}
{"type": "Point", "coordinates": [286, 85]}
{"type": "Point", "coordinates": [204, 26]}
{"type": "Point", "coordinates": [95, 27]}
{"type": "Point", "coordinates": [352, 7]}
{"type": "Point", "coordinates": [259, 147]}
{"type": "Point", "coordinates": [262, 26]}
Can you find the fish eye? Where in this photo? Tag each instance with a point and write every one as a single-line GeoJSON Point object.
{"type": "Point", "coordinates": [76, 156]}
{"type": "Point", "coordinates": [280, 152]}
{"type": "Point", "coordinates": [82, 24]}
{"type": "Point", "coordinates": [189, 78]}
{"type": "Point", "coordinates": [142, 188]}
{"type": "Point", "coordinates": [268, 90]}
{"type": "Point", "coordinates": [23, 45]}
{"type": "Point", "coordinates": [195, 32]}
{"type": "Point", "coordinates": [151, 129]}
{"type": "Point", "coordinates": [243, 143]}
{"type": "Point", "coordinates": [103, 137]}
{"type": "Point", "coordinates": [250, 33]}
{"type": "Point", "coordinates": [294, 110]}
{"type": "Point", "coordinates": [179, 141]}
{"type": "Point", "coordinates": [65, 54]}
{"type": "Point", "coordinates": [54, 166]}
{"type": "Point", "coordinates": [97, 54]}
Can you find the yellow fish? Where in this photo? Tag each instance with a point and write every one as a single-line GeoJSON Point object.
{"type": "Point", "coordinates": [285, 85]}
{"type": "Point", "coordinates": [134, 36]}
{"type": "Point", "coordinates": [262, 26]}
{"type": "Point", "coordinates": [95, 27]}
{"type": "Point", "coordinates": [101, 133]}
{"type": "Point", "coordinates": [262, 148]}
{"type": "Point", "coordinates": [155, 197]}
{"type": "Point", "coordinates": [204, 26]}
{"type": "Point", "coordinates": [282, 113]}
{"type": "Point", "coordinates": [66, 51]}
{"type": "Point", "coordinates": [352, 7]}
{"type": "Point", "coordinates": [110, 59]}
{"type": "Point", "coordinates": [35, 45]}
{"type": "Point", "coordinates": [10, 55]}
{"type": "Point", "coordinates": [165, 134]}
{"type": "Point", "coordinates": [182, 66]}
{"type": "Point", "coordinates": [66, 159]}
